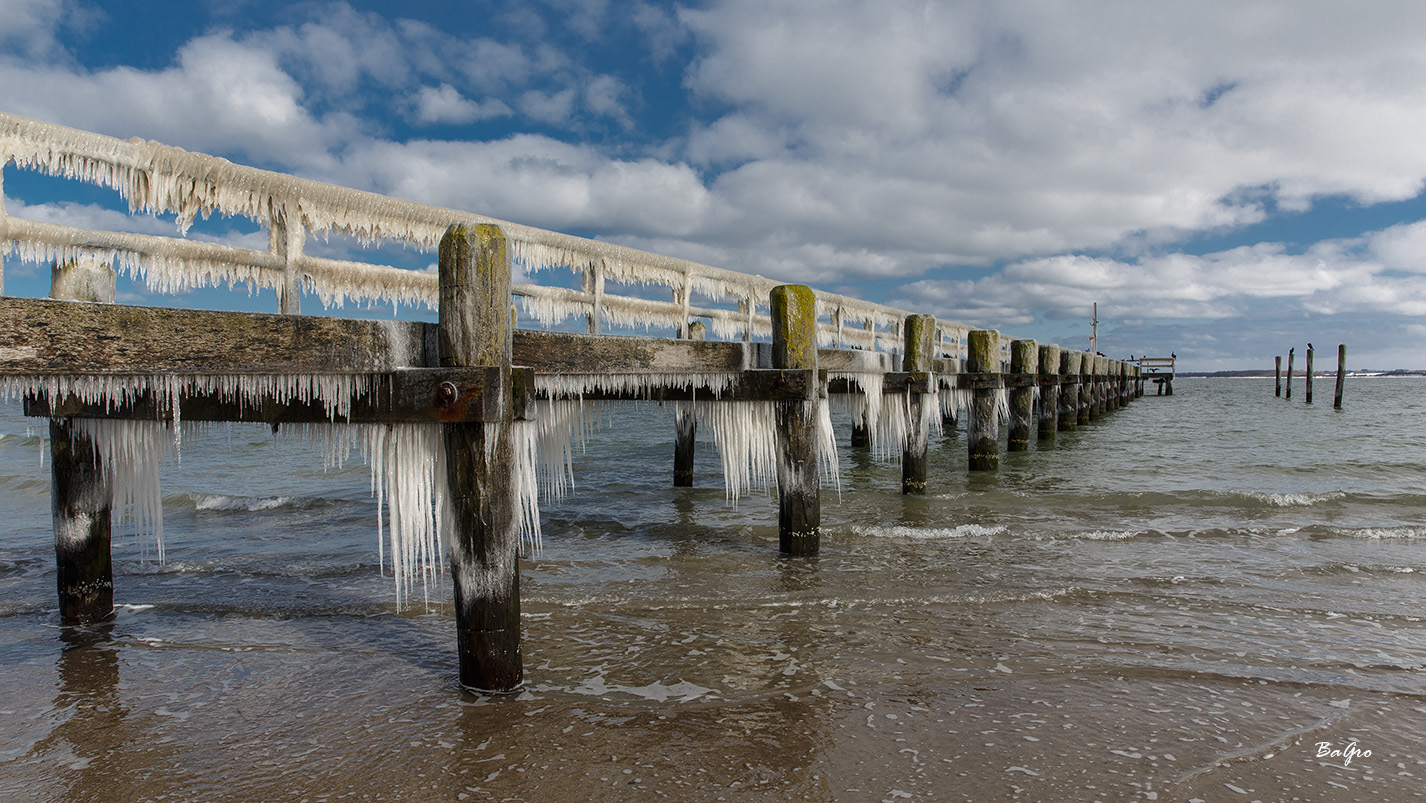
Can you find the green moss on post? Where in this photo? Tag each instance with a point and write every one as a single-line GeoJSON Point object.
{"type": "Point", "coordinates": [983, 423]}
{"type": "Point", "coordinates": [920, 334]}
{"type": "Point", "coordinates": [1024, 362]}
{"type": "Point", "coordinates": [1307, 376]}
{"type": "Point", "coordinates": [475, 331]}
{"type": "Point", "coordinates": [1049, 392]}
{"type": "Point", "coordinates": [794, 345]}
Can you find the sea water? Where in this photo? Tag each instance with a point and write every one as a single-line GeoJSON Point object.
{"type": "Point", "coordinates": [1214, 596]}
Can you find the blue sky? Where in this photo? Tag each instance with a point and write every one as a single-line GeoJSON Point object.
{"type": "Point", "coordinates": [1225, 179]}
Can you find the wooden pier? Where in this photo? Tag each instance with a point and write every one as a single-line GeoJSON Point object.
{"type": "Point", "coordinates": [474, 381]}
{"type": "Point", "coordinates": [1159, 370]}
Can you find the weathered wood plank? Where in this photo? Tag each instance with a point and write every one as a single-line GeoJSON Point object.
{"type": "Point", "coordinates": [40, 336]}
{"type": "Point", "coordinates": [571, 353]}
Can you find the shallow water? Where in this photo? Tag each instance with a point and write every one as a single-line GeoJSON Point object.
{"type": "Point", "coordinates": [1179, 601]}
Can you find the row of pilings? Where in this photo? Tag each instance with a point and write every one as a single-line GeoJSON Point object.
{"type": "Point", "coordinates": [1307, 376]}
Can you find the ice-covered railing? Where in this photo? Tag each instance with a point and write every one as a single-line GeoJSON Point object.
{"type": "Point", "coordinates": [161, 179]}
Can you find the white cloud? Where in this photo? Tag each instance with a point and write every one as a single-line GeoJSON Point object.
{"type": "Point", "coordinates": [445, 104]}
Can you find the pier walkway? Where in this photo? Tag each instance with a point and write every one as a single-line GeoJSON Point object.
{"type": "Point", "coordinates": [467, 420]}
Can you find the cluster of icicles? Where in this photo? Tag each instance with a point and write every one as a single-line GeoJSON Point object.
{"type": "Point", "coordinates": [407, 461]}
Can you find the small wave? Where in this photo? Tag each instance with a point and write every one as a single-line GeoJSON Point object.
{"type": "Point", "coordinates": [246, 503]}
{"type": "Point", "coordinates": [1295, 499]}
{"type": "Point", "coordinates": [930, 533]}
{"type": "Point", "coordinates": [1386, 533]}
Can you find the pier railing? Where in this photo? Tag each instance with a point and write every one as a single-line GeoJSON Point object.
{"type": "Point", "coordinates": [159, 179]}
{"type": "Point", "coordinates": [463, 408]}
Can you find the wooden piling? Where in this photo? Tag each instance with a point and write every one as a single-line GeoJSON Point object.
{"type": "Point", "coordinates": [1289, 371]}
{"type": "Point", "coordinates": [81, 488]}
{"type": "Point", "coordinates": [983, 422]}
{"type": "Point", "coordinates": [1069, 390]}
{"type": "Point", "coordinates": [1341, 375]}
{"type": "Point", "coordinates": [794, 345]}
{"type": "Point", "coordinates": [686, 427]}
{"type": "Point", "coordinates": [474, 330]}
{"type": "Point", "coordinates": [1308, 375]}
{"type": "Point", "coordinates": [1049, 392]}
{"type": "Point", "coordinates": [920, 331]}
{"type": "Point", "coordinates": [1277, 376]}
{"type": "Point", "coordinates": [1086, 387]}
{"type": "Point", "coordinates": [1024, 363]}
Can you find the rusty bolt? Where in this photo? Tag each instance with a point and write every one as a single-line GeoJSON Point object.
{"type": "Point", "coordinates": [446, 394]}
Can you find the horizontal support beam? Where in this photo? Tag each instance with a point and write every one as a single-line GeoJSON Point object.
{"type": "Point", "coordinates": [892, 382]}
{"type": "Point", "coordinates": [418, 395]}
{"type": "Point", "coordinates": [979, 381]}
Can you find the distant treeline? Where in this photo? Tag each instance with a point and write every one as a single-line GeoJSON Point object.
{"type": "Point", "coordinates": [1269, 374]}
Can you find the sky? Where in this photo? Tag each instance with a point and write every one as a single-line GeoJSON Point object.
{"type": "Point", "coordinates": [1225, 179]}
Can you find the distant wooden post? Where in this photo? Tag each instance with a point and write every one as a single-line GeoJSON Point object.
{"type": "Point", "coordinates": [286, 236]}
{"type": "Point", "coordinates": [1086, 387]}
{"type": "Point", "coordinates": [1277, 375]}
{"type": "Point", "coordinates": [474, 331]}
{"type": "Point", "coordinates": [1049, 392]}
{"type": "Point", "coordinates": [1069, 390]}
{"type": "Point", "coordinates": [983, 422]}
{"type": "Point", "coordinates": [81, 490]}
{"type": "Point", "coordinates": [794, 345]}
{"type": "Point", "coordinates": [1024, 363]}
{"type": "Point", "coordinates": [1341, 375]}
{"type": "Point", "coordinates": [686, 426]}
{"type": "Point", "coordinates": [920, 331]}
{"type": "Point", "coordinates": [1308, 375]}
{"type": "Point", "coordinates": [1289, 371]}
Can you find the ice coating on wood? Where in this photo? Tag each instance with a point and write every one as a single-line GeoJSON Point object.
{"type": "Point", "coordinates": [333, 391]}
{"type": "Point", "coordinates": [160, 179]}
{"type": "Point", "coordinates": [575, 386]}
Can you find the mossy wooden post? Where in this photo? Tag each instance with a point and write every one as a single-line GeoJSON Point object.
{"type": "Point", "coordinates": [1307, 375]}
{"type": "Point", "coordinates": [1277, 375]}
{"type": "Point", "coordinates": [1289, 371]}
{"type": "Point", "coordinates": [794, 345]}
{"type": "Point", "coordinates": [1024, 363]}
{"type": "Point", "coordinates": [1086, 386]}
{"type": "Point", "coordinates": [1049, 392]}
{"type": "Point", "coordinates": [1123, 395]}
{"type": "Point", "coordinates": [81, 489]}
{"type": "Point", "coordinates": [920, 331]}
{"type": "Point", "coordinates": [1341, 375]}
{"type": "Point", "coordinates": [686, 426]}
{"type": "Point", "coordinates": [1069, 390]}
{"type": "Point", "coordinates": [474, 331]}
{"type": "Point", "coordinates": [983, 420]}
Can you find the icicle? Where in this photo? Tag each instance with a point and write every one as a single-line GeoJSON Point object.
{"type": "Point", "coordinates": [409, 475]}
{"type": "Point", "coordinates": [335, 392]}
{"type": "Point", "coordinates": [746, 436]}
{"type": "Point", "coordinates": [827, 445]}
{"type": "Point", "coordinates": [574, 386]}
{"type": "Point", "coordinates": [131, 454]}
